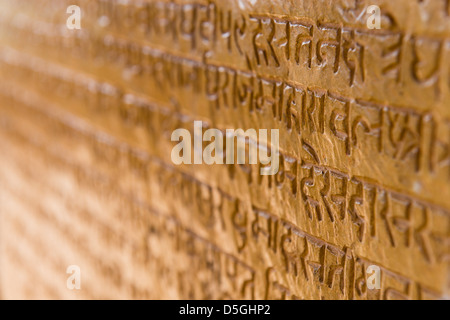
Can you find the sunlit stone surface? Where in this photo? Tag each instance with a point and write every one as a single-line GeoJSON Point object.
{"type": "Point", "coordinates": [359, 208]}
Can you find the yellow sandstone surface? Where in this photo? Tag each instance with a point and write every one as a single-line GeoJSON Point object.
{"type": "Point", "coordinates": [359, 208]}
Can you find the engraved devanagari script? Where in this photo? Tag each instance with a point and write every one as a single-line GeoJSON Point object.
{"type": "Point", "coordinates": [359, 206]}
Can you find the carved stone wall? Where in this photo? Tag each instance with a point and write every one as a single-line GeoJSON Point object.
{"type": "Point", "coordinates": [87, 179]}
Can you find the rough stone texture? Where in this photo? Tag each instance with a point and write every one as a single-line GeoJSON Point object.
{"type": "Point", "coordinates": [86, 176]}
